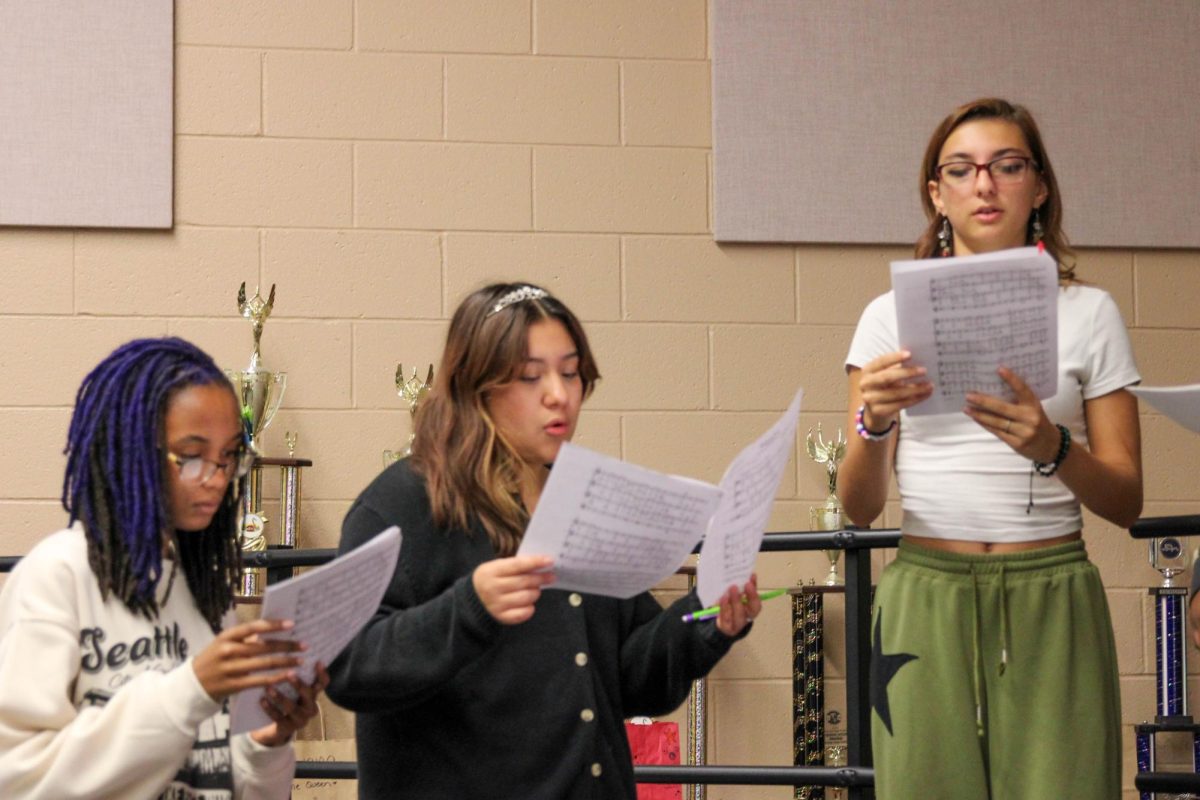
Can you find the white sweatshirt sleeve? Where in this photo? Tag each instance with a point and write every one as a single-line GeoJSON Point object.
{"type": "Point", "coordinates": [261, 772]}
{"type": "Point", "coordinates": [130, 747]}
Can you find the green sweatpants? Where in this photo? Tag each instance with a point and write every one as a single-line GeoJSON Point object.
{"type": "Point", "coordinates": [994, 677]}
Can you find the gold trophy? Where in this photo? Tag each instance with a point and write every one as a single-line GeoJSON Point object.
{"type": "Point", "coordinates": [259, 393]}
{"type": "Point", "coordinates": [413, 391]}
{"type": "Point", "coordinates": [828, 516]}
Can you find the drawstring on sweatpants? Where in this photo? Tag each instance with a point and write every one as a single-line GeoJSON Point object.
{"type": "Point", "coordinates": [984, 572]}
{"type": "Point", "coordinates": [1003, 621]}
{"type": "Point", "coordinates": [977, 641]}
{"type": "Point", "coordinates": [975, 653]}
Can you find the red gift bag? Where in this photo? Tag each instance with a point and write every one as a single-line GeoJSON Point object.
{"type": "Point", "coordinates": [655, 743]}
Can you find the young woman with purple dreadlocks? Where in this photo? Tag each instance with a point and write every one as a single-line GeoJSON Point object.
{"type": "Point", "coordinates": [115, 673]}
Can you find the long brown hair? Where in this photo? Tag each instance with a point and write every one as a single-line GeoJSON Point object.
{"type": "Point", "coordinates": [1051, 211]}
{"type": "Point", "coordinates": [472, 473]}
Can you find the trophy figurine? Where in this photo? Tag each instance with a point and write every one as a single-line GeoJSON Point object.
{"type": "Point", "coordinates": [413, 391]}
{"type": "Point", "coordinates": [828, 516]}
{"type": "Point", "coordinates": [835, 756]}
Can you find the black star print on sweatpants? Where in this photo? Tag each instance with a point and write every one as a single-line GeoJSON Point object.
{"type": "Point", "coordinates": [883, 668]}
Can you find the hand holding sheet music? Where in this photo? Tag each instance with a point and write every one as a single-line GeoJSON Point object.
{"type": "Point", "coordinates": [329, 605]}
{"type": "Point", "coordinates": [964, 317]}
{"type": "Point", "coordinates": [618, 529]}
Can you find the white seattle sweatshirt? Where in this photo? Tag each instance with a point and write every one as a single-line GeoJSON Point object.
{"type": "Point", "coordinates": [96, 702]}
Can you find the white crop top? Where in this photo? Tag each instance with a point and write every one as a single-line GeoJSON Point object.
{"type": "Point", "coordinates": [957, 480]}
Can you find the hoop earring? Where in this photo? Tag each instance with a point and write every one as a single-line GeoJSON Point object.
{"type": "Point", "coordinates": [1036, 226]}
{"type": "Point", "coordinates": [944, 234]}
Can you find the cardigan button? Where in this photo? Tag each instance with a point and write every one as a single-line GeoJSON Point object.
{"type": "Point", "coordinates": [596, 770]}
{"type": "Point", "coordinates": [587, 715]}
{"type": "Point", "coordinates": [581, 659]}
{"type": "Point", "coordinates": [575, 599]}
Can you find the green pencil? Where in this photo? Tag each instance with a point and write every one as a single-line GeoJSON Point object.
{"type": "Point", "coordinates": [712, 611]}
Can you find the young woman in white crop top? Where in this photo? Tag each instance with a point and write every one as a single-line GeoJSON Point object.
{"type": "Point", "coordinates": [994, 671]}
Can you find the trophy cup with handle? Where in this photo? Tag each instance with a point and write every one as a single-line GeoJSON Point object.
{"type": "Point", "coordinates": [259, 393]}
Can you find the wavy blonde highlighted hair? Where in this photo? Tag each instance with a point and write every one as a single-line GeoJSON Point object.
{"type": "Point", "coordinates": [472, 473]}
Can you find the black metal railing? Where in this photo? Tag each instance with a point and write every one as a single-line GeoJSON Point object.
{"type": "Point", "coordinates": [1167, 782]}
{"type": "Point", "coordinates": [1151, 527]}
{"type": "Point", "coordinates": [857, 776]}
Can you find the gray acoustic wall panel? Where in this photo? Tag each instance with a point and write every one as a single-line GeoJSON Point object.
{"type": "Point", "coordinates": [86, 111]}
{"type": "Point", "coordinates": [821, 111]}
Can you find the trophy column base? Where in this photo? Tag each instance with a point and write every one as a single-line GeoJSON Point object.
{"type": "Point", "coordinates": [697, 719]}
{"type": "Point", "coordinates": [249, 591]}
{"type": "Point", "coordinates": [812, 744]}
{"type": "Point", "coordinates": [1146, 744]}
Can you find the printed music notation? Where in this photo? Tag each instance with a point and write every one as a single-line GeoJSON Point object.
{"type": "Point", "coordinates": [613, 528]}
{"type": "Point", "coordinates": [749, 485]}
{"type": "Point", "coordinates": [620, 499]}
{"type": "Point", "coordinates": [619, 529]}
{"type": "Point", "coordinates": [624, 529]}
{"type": "Point", "coordinates": [963, 317]}
{"type": "Point", "coordinates": [329, 605]}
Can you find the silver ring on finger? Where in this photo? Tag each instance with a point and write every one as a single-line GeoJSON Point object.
{"type": "Point", "coordinates": [1008, 426]}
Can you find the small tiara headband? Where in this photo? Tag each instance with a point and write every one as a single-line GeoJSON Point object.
{"type": "Point", "coordinates": [517, 296]}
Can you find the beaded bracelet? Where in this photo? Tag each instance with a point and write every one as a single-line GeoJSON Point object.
{"type": "Point", "coordinates": [867, 433]}
{"type": "Point", "coordinates": [1064, 444]}
{"type": "Point", "coordinates": [1041, 468]}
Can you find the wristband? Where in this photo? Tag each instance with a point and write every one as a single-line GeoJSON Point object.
{"type": "Point", "coordinates": [1064, 445]}
{"type": "Point", "coordinates": [871, 436]}
{"type": "Point", "coordinates": [1048, 469]}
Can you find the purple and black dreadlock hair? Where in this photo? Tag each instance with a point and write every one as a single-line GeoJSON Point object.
{"type": "Point", "coordinates": [114, 480]}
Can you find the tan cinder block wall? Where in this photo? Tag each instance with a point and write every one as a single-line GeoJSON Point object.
{"type": "Point", "coordinates": [378, 159]}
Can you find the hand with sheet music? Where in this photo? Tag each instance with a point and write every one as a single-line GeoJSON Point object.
{"type": "Point", "coordinates": [889, 386]}
{"type": "Point", "coordinates": [290, 711]}
{"type": "Point", "coordinates": [1022, 425]}
{"type": "Point", "coordinates": [509, 587]}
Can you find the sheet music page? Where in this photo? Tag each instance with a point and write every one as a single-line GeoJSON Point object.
{"type": "Point", "coordinates": [748, 492]}
{"type": "Point", "coordinates": [613, 528]}
{"type": "Point", "coordinates": [329, 605]}
{"type": "Point", "coordinates": [1180, 403]}
{"type": "Point", "coordinates": [963, 317]}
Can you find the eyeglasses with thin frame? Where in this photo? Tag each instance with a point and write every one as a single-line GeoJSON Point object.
{"type": "Point", "coordinates": [196, 469]}
{"type": "Point", "coordinates": [1006, 170]}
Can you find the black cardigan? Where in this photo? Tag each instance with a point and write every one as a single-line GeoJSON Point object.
{"type": "Point", "coordinates": [452, 704]}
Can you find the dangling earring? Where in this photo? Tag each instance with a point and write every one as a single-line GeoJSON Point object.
{"type": "Point", "coordinates": [944, 238]}
{"type": "Point", "coordinates": [1036, 226]}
